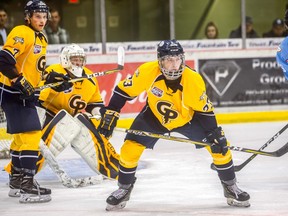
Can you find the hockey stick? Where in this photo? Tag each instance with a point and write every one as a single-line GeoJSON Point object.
{"type": "Point", "coordinates": [277, 153]}
{"type": "Point", "coordinates": [240, 167]}
{"type": "Point", "coordinates": [66, 180]}
{"type": "Point", "coordinates": [120, 55]}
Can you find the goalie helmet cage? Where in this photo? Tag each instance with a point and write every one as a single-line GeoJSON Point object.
{"type": "Point", "coordinates": [5, 138]}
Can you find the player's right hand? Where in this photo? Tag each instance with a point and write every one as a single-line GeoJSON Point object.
{"type": "Point", "coordinates": [108, 121]}
{"type": "Point", "coordinates": [54, 77]}
{"type": "Point", "coordinates": [218, 140]}
{"type": "Point", "coordinates": [26, 89]}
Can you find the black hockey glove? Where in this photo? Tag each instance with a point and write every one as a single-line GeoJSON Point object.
{"type": "Point", "coordinates": [108, 121]}
{"type": "Point", "coordinates": [53, 77]}
{"type": "Point", "coordinates": [26, 89]}
{"type": "Point", "coordinates": [218, 140]}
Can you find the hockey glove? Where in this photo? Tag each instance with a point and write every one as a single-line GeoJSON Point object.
{"type": "Point", "coordinates": [218, 140]}
{"type": "Point", "coordinates": [108, 121]}
{"type": "Point", "coordinates": [53, 77]}
{"type": "Point", "coordinates": [26, 89]}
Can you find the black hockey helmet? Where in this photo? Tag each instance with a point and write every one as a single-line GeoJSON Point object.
{"type": "Point", "coordinates": [169, 47]}
{"type": "Point", "coordinates": [166, 49]}
{"type": "Point", "coordinates": [35, 6]}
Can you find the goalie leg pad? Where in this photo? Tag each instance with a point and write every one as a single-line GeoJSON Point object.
{"type": "Point", "coordinates": [96, 150]}
{"type": "Point", "coordinates": [58, 134]}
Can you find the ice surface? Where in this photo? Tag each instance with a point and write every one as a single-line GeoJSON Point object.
{"type": "Point", "coordinates": [173, 179]}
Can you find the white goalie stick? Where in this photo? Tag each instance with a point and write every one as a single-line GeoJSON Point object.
{"type": "Point", "coordinates": [66, 180]}
{"type": "Point", "coordinates": [120, 62]}
{"type": "Point", "coordinates": [278, 153]}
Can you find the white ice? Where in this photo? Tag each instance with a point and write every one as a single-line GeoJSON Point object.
{"type": "Point", "coordinates": [173, 179]}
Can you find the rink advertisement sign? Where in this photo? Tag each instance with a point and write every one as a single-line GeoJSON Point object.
{"type": "Point", "coordinates": [244, 81]}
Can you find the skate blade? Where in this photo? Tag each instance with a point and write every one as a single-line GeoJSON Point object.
{"type": "Point", "coordinates": [33, 198]}
{"type": "Point", "coordinates": [115, 207]}
{"type": "Point", "coordinates": [234, 202]}
{"type": "Point", "coordinates": [14, 193]}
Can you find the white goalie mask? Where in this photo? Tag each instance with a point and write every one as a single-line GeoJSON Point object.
{"type": "Point", "coordinates": [73, 58]}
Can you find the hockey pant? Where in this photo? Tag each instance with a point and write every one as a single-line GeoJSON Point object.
{"type": "Point", "coordinates": [131, 152]}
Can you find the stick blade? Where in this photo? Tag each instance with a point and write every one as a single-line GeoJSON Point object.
{"type": "Point", "coordinates": [121, 56]}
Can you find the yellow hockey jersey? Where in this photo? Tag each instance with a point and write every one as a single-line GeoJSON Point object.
{"type": "Point", "coordinates": [172, 109]}
{"type": "Point", "coordinates": [28, 48]}
{"type": "Point", "coordinates": [75, 100]}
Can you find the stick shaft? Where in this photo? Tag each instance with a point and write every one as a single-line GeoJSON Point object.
{"type": "Point", "coordinates": [277, 153]}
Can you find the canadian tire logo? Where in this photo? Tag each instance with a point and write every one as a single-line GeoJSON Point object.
{"type": "Point", "coordinates": [220, 74]}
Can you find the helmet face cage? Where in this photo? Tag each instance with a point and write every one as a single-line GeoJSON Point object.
{"type": "Point", "coordinates": [65, 59]}
{"type": "Point", "coordinates": [167, 49]}
{"type": "Point", "coordinates": [33, 6]}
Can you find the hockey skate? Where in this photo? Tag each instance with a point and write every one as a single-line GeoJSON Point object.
{"type": "Point", "coordinates": [118, 199]}
{"type": "Point", "coordinates": [31, 192]}
{"type": "Point", "coordinates": [235, 196]}
{"type": "Point", "coordinates": [14, 184]}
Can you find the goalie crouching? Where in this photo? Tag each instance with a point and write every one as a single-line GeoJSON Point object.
{"type": "Point", "coordinates": [65, 124]}
{"type": "Point", "coordinates": [70, 126]}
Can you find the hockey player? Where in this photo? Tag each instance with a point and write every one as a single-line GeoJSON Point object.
{"type": "Point", "coordinates": [22, 61]}
{"type": "Point", "coordinates": [282, 52]}
{"type": "Point", "coordinates": [80, 100]}
{"type": "Point", "coordinates": [176, 102]}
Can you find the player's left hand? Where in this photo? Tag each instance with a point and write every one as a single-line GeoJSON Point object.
{"type": "Point", "coordinates": [25, 87]}
{"type": "Point", "coordinates": [54, 77]}
{"type": "Point", "coordinates": [218, 140]}
{"type": "Point", "coordinates": [108, 121]}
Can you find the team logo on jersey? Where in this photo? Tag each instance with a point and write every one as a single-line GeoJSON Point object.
{"type": "Point", "coordinates": [137, 73]}
{"type": "Point", "coordinates": [18, 40]}
{"type": "Point", "coordinates": [208, 104]}
{"type": "Point", "coordinates": [166, 111]}
{"type": "Point", "coordinates": [37, 49]}
{"type": "Point", "coordinates": [76, 103]}
{"type": "Point", "coordinates": [157, 92]}
{"type": "Point", "coordinates": [41, 63]}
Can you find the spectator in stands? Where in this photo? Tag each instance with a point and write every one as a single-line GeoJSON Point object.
{"type": "Point", "coordinates": [211, 31]}
{"type": "Point", "coordinates": [278, 29]}
{"type": "Point", "coordinates": [4, 31]}
{"type": "Point", "coordinates": [53, 31]}
{"type": "Point", "coordinates": [250, 32]}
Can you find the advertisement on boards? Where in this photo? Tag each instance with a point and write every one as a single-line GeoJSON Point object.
{"type": "Point", "coordinates": [244, 81]}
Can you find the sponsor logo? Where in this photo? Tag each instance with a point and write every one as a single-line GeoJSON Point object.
{"type": "Point", "coordinates": [220, 74]}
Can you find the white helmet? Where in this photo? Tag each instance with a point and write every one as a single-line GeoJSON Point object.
{"type": "Point", "coordinates": [72, 50]}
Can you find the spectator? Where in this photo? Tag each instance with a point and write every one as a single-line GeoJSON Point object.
{"type": "Point", "coordinates": [211, 31]}
{"type": "Point", "coordinates": [53, 31]}
{"type": "Point", "coordinates": [250, 32]}
{"type": "Point", "coordinates": [4, 31]}
{"type": "Point", "coordinates": [278, 29]}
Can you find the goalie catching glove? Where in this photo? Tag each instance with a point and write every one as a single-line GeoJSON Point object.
{"type": "Point", "coordinates": [218, 140]}
{"type": "Point", "coordinates": [108, 121]}
{"type": "Point", "coordinates": [26, 89]}
{"type": "Point", "coordinates": [54, 77]}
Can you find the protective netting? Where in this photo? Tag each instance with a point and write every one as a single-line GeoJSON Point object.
{"type": "Point", "coordinates": [5, 138]}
